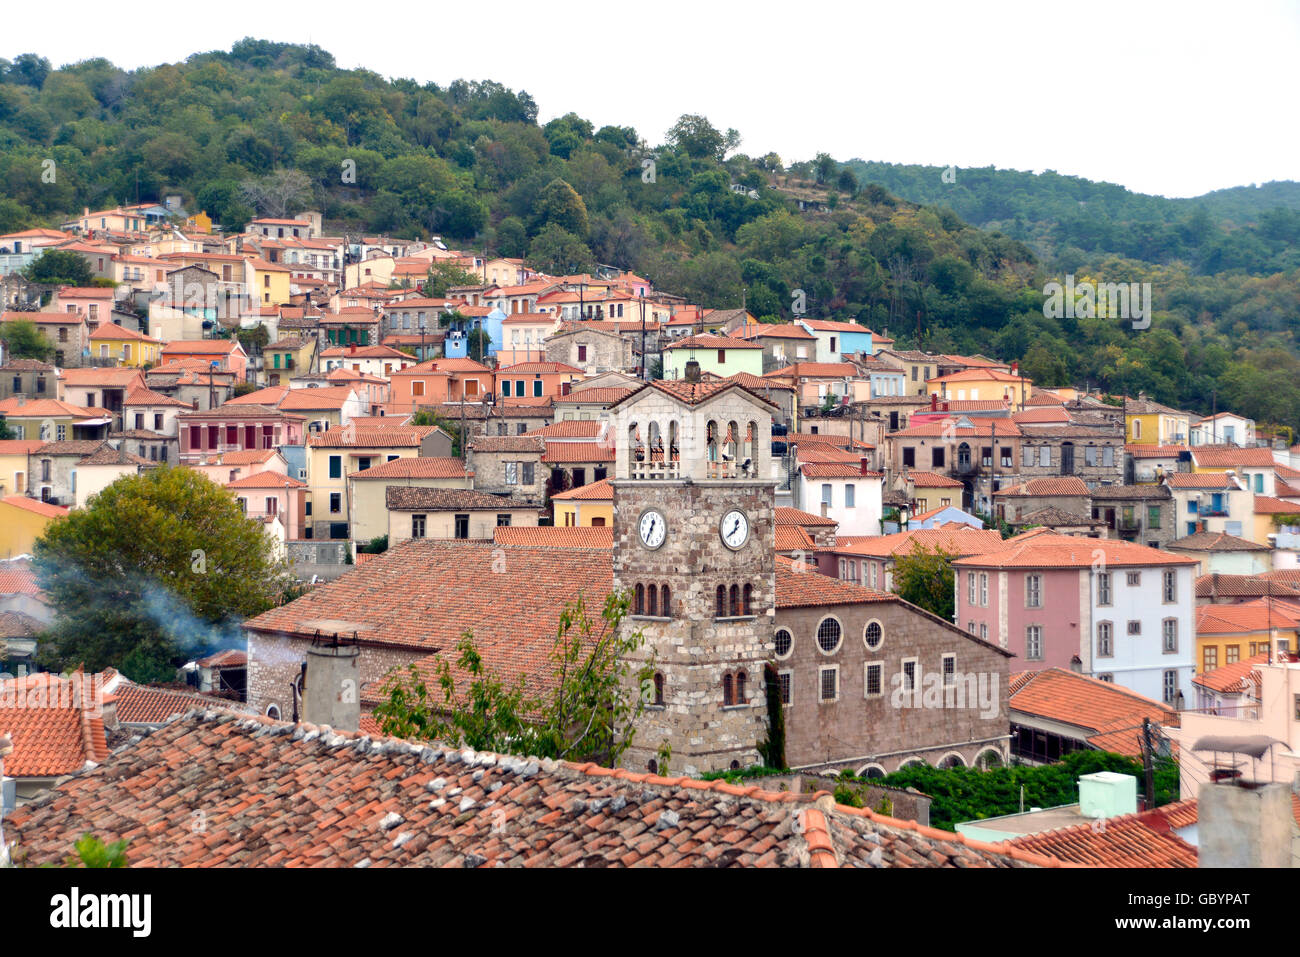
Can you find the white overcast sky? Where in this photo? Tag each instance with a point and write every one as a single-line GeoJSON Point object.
{"type": "Point", "coordinates": [1173, 98]}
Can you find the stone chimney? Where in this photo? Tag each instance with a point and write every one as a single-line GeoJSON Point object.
{"type": "Point", "coordinates": [332, 688]}
{"type": "Point", "coordinates": [1244, 826]}
{"type": "Point", "coordinates": [692, 371]}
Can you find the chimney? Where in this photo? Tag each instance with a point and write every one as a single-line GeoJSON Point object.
{"type": "Point", "coordinates": [692, 371]}
{"type": "Point", "coordinates": [332, 687]}
{"type": "Point", "coordinates": [1214, 588]}
{"type": "Point", "coordinates": [863, 468]}
{"type": "Point", "coordinates": [352, 348]}
{"type": "Point", "coordinates": [1244, 826]}
{"type": "Point", "coordinates": [934, 401]}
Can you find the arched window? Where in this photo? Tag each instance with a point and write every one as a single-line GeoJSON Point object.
{"type": "Point", "coordinates": [727, 699]}
{"type": "Point", "coordinates": [652, 766]}
{"type": "Point", "coordinates": [721, 610]}
{"type": "Point", "coordinates": [665, 602]}
{"type": "Point", "coordinates": [828, 635]}
{"type": "Point", "coordinates": [638, 605]}
{"type": "Point", "coordinates": [659, 688]}
{"type": "Point", "coordinates": [652, 601]}
{"type": "Point", "coordinates": [734, 607]}
{"type": "Point", "coordinates": [273, 711]}
{"type": "Point", "coordinates": [740, 688]}
{"type": "Point", "coordinates": [784, 641]}
{"type": "Point", "coordinates": [711, 438]}
{"type": "Point", "coordinates": [746, 595]}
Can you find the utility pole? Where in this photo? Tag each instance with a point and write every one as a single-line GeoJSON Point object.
{"type": "Point", "coordinates": [1147, 767]}
{"type": "Point", "coordinates": [642, 338]}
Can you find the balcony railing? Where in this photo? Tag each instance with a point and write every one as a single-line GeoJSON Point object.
{"type": "Point", "coordinates": [1209, 511]}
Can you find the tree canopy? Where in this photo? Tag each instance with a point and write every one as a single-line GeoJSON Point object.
{"type": "Point", "coordinates": [157, 569]}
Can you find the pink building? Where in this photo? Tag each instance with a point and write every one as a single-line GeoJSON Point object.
{"type": "Point", "coordinates": [235, 428]}
{"type": "Point", "coordinates": [228, 354]}
{"type": "Point", "coordinates": [1108, 609]}
{"type": "Point", "coordinates": [271, 496]}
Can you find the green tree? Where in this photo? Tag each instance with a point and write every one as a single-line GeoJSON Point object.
{"type": "Point", "coordinates": [93, 852]}
{"type": "Point", "coordinates": [22, 340]}
{"type": "Point", "coordinates": [445, 273]}
{"type": "Point", "coordinates": [59, 267]}
{"type": "Point", "coordinates": [925, 578]}
{"type": "Point", "coordinates": [560, 205]}
{"type": "Point", "coordinates": [697, 137]}
{"type": "Point", "coordinates": [156, 569]}
{"type": "Point", "coordinates": [559, 252]}
{"type": "Point", "coordinates": [590, 713]}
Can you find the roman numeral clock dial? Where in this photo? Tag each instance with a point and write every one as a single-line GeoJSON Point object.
{"type": "Point", "coordinates": [652, 528]}
{"type": "Point", "coordinates": [734, 529]}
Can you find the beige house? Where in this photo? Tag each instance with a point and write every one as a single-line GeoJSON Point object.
{"type": "Point", "coordinates": [450, 513]}
{"type": "Point", "coordinates": [368, 488]}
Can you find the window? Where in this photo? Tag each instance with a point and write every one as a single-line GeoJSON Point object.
{"type": "Point", "coordinates": [784, 683]}
{"type": "Point", "coordinates": [746, 595]}
{"type": "Point", "coordinates": [537, 388]}
{"type": "Point", "coordinates": [1210, 657]}
{"type": "Point", "coordinates": [826, 494]}
{"type": "Point", "coordinates": [503, 520]}
{"type": "Point", "coordinates": [783, 641]}
{"type": "Point", "coordinates": [1034, 642]}
{"type": "Point", "coordinates": [1134, 578]}
{"type": "Point", "coordinates": [505, 387]}
{"type": "Point", "coordinates": [909, 457]}
{"type": "Point", "coordinates": [972, 629]}
{"type": "Point", "coordinates": [659, 688]}
{"type": "Point", "coordinates": [849, 495]}
{"type": "Point", "coordinates": [936, 457]}
{"type": "Point", "coordinates": [1153, 516]}
{"type": "Point", "coordinates": [949, 670]}
{"type": "Point", "coordinates": [1090, 456]}
{"type": "Point", "coordinates": [60, 432]}
{"type": "Point", "coordinates": [336, 466]}
{"type": "Point", "coordinates": [1170, 588]}
{"type": "Point", "coordinates": [1105, 647]}
{"type": "Point", "coordinates": [512, 473]}
{"type": "Point", "coordinates": [336, 501]}
{"type": "Point", "coordinates": [720, 604]}
{"type": "Point", "coordinates": [984, 589]}
{"type": "Point", "coordinates": [984, 631]}
{"type": "Point", "coordinates": [830, 683]}
{"type": "Point", "coordinates": [462, 526]}
{"type": "Point", "coordinates": [728, 694]}
{"type": "Point", "coordinates": [1134, 627]}
{"type": "Point", "coordinates": [417, 526]}
{"type": "Point", "coordinates": [1231, 654]}
{"type": "Point", "coordinates": [873, 680]}
{"type": "Point", "coordinates": [1171, 686]}
{"type": "Point", "coordinates": [970, 587]}
{"type": "Point", "coordinates": [873, 635]}
{"type": "Point", "coordinates": [1027, 457]}
{"type": "Point", "coordinates": [828, 635]}
{"type": "Point", "coordinates": [741, 697]}
{"type": "Point", "coordinates": [909, 674]}
{"type": "Point", "coordinates": [1103, 588]}
{"type": "Point", "coordinates": [527, 472]}
{"type": "Point", "coordinates": [1108, 678]}
{"type": "Point", "coordinates": [1170, 632]}
{"type": "Point", "coordinates": [1033, 591]}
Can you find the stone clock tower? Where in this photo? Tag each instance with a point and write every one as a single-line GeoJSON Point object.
{"type": "Point", "coordinates": [694, 527]}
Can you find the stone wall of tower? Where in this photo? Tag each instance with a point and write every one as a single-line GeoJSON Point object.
{"type": "Point", "coordinates": [693, 648]}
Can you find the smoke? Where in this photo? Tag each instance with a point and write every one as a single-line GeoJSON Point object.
{"type": "Point", "coordinates": [189, 634]}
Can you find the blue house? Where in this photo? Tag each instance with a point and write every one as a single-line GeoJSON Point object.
{"type": "Point", "coordinates": [942, 516]}
{"type": "Point", "coordinates": [456, 345]}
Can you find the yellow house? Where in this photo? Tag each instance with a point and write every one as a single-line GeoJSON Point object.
{"type": "Point", "coordinates": [22, 521]}
{"type": "Point", "coordinates": [14, 464]}
{"type": "Point", "coordinates": [54, 420]}
{"type": "Point", "coordinates": [1230, 633]}
{"type": "Point", "coordinates": [584, 507]}
{"type": "Point", "coordinates": [129, 348]}
{"type": "Point", "coordinates": [1150, 423]}
{"type": "Point", "coordinates": [289, 357]}
{"type": "Point", "coordinates": [270, 282]}
{"type": "Point", "coordinates": [1270, 513]}
{"type": "Point", "coordinates": [971, 385]}
{"type": "Point", "coordinates": [200, 222]}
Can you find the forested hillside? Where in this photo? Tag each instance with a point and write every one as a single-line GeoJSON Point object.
{"type": "Point", "coordinates": [269, 128]}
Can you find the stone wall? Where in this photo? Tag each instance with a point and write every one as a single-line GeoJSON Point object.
{"type": "Point", "coordinates": [885, 730]}
{"type": "Point", "coordinates": [276, 660]}
{"type": "Point", "coordinates": [692, 647]}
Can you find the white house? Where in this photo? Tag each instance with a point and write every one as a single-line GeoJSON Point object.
{"type": "Point", "coordinates": [848, 494]}
{"type": "Point", "coordinates": [1225, 428]}
{"type": "Point", "coordinates": [373, 360]}
{"type": "Point", "coordinates": [1212, 502]}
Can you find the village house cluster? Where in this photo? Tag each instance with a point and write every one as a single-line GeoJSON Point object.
{"type": "Point", "coordinates": [482, 457]}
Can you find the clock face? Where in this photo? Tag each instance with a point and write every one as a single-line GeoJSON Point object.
{"type": "Point", "coordinates": [734, 529]}
{"type": "Point", "coordinates": [652, 528]}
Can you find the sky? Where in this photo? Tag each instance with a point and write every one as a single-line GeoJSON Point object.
{"type": "Point", "coordinates": [1170, 98]}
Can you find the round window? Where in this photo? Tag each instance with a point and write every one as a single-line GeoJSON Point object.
{"type": "Point", "coordinates": [828, 635]}
{"type": "Point", "coordinates": [873, 635]}
{"type": "Point", "coordinates": [784, 642]}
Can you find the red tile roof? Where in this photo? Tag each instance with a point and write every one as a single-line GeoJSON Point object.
{"type": "Point", "coordinates": [1232, 679]}
{"type": "Point", "coordinates": [932, 480]}
{"type": "Point", "coordinates": [1267, 505]}
{"type": "Point", "coordinates": [55, 725]}
{"type": "Point", "coordinates": [266, 480]}
{"type": "Point", "coordinates": [954, 538]}
{"type": "Point", "coordinates": [1066, 485]}
{"type": "Point", "coordinates": [569, 429]}
{"type": "Point", "coordinates": [1215, 542]}
{"type": "Point", "coordinates": [1155, 451]}
{"type": "Point", "coordinates": [1130, 840]}
{"type": "Point", "coordinates": [836, 470]}
{"type": "Point", "coordinates": [815, 370]}
{"type": "Point", "coordinates": [1231, 456]}
{"type": "Point", "coordinates": [792, 538]}
{"type": "Point", "coordinates": [555, 536]}
{"type": "Point", "coordinates": [806, 588]}
{"type": "Point", "coordinates": [1246, 617]}
{"type": "Point", "coordinates": [577, 452]}
{"type": "Point", "coordinates": [278, 795]}
{"type": "Point", "coordinates": [1048, 550]}
{"type": "Point", "coordinates": [597, 395]}
{"type": "Point", "coordinates": [145, 705]}
{"type": "Point", "coordinates": [796, 516]}
{"type": "Point", "coordinates": [594, 492]}
{"type": "Point", "coordinates": [416, 467]}
{"type": "Point", "coordinates": [35, 505]}
{"type": "Point", "coordinates": [1200, 480]}
{"type": "Point", "coordinates": [1089, 704]}
{"type": "Point", "coordinates": [17, 578]}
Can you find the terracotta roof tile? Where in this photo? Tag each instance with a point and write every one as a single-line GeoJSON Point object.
{"type": "Point", "coordinates": [592, 492]}
{"type": "Point", "coordinates": [932, 480]}
{"type": "Point", "coordinates": [1048, 550]}
{"type": "Point", "coordinates": [145, 705]}
{"type": "Point", "coordinates": [568, 452]}
{"type": "Point", "coordinates": [555, 536]}
{"type": "Point", "coordinates": [1231, 456]}
{"type": "Point", "coordinates": [353, 800]}
{"type": "Point", "coordinates": [1065, 485]}
{"type": "Point", "coordinates": [1087, 703]}
{"type": "Point", "coordinates": [415, 467]}
{"type": "Point", "coordinates": [796, 516]}
{"type": "Point", "coordinates": [408, 497]}
{"type": "Point", "coordinates": [55, 724]}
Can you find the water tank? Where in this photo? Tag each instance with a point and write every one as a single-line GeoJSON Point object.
{"type": "Point", "coordinates": [1107, 794]}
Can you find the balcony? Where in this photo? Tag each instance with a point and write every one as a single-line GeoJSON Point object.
{"type": "Point", "coordinates": [1209, 511]}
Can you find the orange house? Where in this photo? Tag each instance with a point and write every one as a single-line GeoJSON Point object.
{"type": "Point", "coordinates": [438, 381]}
{"type": "Point", "coordinates": [536, 380]}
